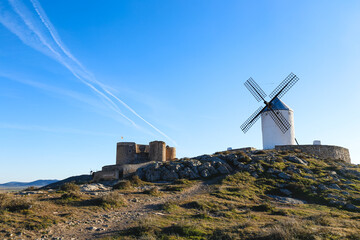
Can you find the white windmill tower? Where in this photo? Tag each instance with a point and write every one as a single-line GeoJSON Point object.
{"type": "Point", "coordinates": [277, 119]}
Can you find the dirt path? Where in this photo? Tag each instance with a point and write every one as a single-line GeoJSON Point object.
{"type": "Point", "coordinates": [107, 223]}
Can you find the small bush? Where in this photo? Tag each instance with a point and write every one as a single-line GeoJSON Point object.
{"type": "Point", "coordinates": [153, 191]}
{"type": "Point", "coordinates": [174, 188]}
{"type": "Point", "coordinates": [258, 152]}
{"type": "Point", "coordinates": [70, 187]}
{"type": "Point", "coordinates": [112, 199]}
{"type": "Point", "coordinates": [4, 199]}
{"type": "Point", "coordinates": [31, 188]}
{"type": "Point", "coordinates": [287, 231]}
{"type": "Point", "coordinates": [136, 181]}
{"type": "Point", "coordinates": [220, 234]}
{"type": "Point", "coordinates": [146, 229]}
{"type": "Point", "coordinates": [70, 196]}
{"type": "Point", "coordinates": [182, 181]}
{"type": "Point", "coordinates": [184, 230]}
{"type": "Point", "coordinates": [170, 207]}
{"type": "Point", "coordinates": [194, 205]}
{"type": "Point", "coordinates": [280, 212]}
{"type": "Point", "coordinates": [123, 185]}
{"type": "Point", "coordinates": [18, 204]}
{"type": "Point", "coordinates": [320, 219]}
{"type": "Point", "coordinates": [263, 208]}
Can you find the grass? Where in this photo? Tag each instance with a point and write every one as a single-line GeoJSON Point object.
{"type": "Point", "coordinates": [235, 207]}
{"type": "Point", "coordinates": [238, 207]}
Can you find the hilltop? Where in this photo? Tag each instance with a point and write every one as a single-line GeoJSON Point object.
{"type": "Point", "coordinates": [228, 195]}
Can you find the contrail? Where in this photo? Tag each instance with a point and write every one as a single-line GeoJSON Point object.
{"type": "Point", "coordinates": [52, 46]}
{"type": "Point", "coordinates": [25, 15]}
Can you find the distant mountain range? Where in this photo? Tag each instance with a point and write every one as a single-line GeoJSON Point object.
{"type": "Point", "coordinates": [37, 183]}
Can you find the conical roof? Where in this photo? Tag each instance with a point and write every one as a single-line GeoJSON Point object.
{"type": "Point", "coordinates": [277, 104]}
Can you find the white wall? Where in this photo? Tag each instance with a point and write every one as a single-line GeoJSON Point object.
{"type": "Point", "coordinates": [272, 135]}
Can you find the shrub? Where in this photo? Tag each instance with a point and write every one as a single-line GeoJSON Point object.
{"type": "Point", "coordinates": [182, 181]}
{"type": "Point", "coordinates": [184, 230]}
{"type": "Point", "coordinates": [153, 191]}
{"type": "Point", "coordinates": [31, 188]}
{"type": "Point", "coordinates": [194, 205]}
{"type": "Point", "coordinates": [70, 187]}
{"type": "Point", "coordinates": [169, 206]}
{"type": "Point", "coordinates": [18, 204]}
{"type": "Point", "coordinates": [70, 196]}
{"type": "Point", "coordinates": [288, 230]}
{"type": "Point", "coordinates": [320, 219]}
{"type": "Point", "coordinates": [263, 208]}
{"type": "Point", "coordinates": [136, 181]}
{"type": "Point", "coordinates": [220, 234]}
{"type": "Point", "coordinates": [123, 185]}
{"type": "Point", "coordinates": [112, 199]}
{"type": "Point", "coordinates": [146, 229]}
{"type": "Point", "coordinates": [258, 152]}
{"type": "Point", "coordinates": [4, 199]}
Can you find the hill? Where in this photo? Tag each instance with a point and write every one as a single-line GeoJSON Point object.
{"type": "Point", "coordinates": [243, 195]}
{"type": "Point", "coordinates": [37, 183]}
{"type": "Point", "coordinates": [81, 179]}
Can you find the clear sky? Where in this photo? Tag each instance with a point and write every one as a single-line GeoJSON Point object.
{"type": "Point", "coordinates": [77, 75]}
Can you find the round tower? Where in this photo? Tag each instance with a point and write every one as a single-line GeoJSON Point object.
{"type": "Point", "coordinates": [272, 134]}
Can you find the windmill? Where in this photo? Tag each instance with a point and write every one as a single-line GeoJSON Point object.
{"type": "Point", "coordinates": [277, 119]}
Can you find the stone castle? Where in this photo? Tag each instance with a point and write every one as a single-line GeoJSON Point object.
{"type": "Point", "coordinates": [130, 156]}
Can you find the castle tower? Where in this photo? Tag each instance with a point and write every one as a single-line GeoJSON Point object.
{"type": "Point", "coordinates": [272, 134]}
{"type": "Point", "coordinates": [125, 152]}
{"type": "Point", "coordinates": [170, 153]}
{"type": "Point", "coordinates": [157, 151]}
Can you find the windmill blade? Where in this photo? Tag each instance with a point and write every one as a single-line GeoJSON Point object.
{"type": "Point", "coordinates": [252, 119]}
{"type": "Point", "coordinates": [255, 89]}
{"type": "Point", "coordinates": [279, 120]}
{"type": "Point", "coordinates": [284, 86]}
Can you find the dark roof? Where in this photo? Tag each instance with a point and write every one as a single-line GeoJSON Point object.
{"type": "Point", "coordinates": [277, 104]}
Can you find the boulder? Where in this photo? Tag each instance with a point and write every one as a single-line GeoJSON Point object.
{"type": "Point", "coordinates": [322, 187]}
{"type": "Point", "coordinates": [337, 203]}
{"type": "Point", "coordinates": [205, 173]}
{"type": "Point", "coordinates": [284, 176]}
{"type": "Point", "coordinates": [335, 197]}
{"type": "Point", "coordinates": [285, 191]}
{"type": "Point", "coordinates": [334, 186]}
{"type": "Point", "coordinates": [188, 173]}
{"type": "Point", "coordinates": [351, 207]}
{"type": "Point", "coordinates": [153, 175]}
{"type": "Point", "coordinates": [295, 159]}
{"type": "Point", "coordinates": [223, 170]}
{"type": "Point", "coordinates": [169, 175]}
{"type": "Point", "coordinates": [287, 200]}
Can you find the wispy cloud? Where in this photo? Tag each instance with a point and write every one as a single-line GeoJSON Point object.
{"type": "Point", "coordinates": [33, 28]}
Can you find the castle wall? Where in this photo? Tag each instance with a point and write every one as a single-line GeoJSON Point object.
{"type": "Point", "coordinates": [142, 153]}
{"type": "Point", "coordinates": [125, 152]}
{"type": "Point", "coordinates": [157, 151]}
{"type": "Point", "coordinates": [324, 151]}
{"type": "Point", "coordinates": [170, 153]}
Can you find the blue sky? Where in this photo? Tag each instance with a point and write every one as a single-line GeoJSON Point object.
{"type": "Point", "coordinates": [76, 76]}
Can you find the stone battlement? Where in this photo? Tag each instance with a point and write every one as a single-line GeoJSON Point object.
{"type": "Point", "coordinates": [324, 151]}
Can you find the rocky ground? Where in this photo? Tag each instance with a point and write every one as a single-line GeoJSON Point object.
{"type": "Point", "coordinates": [242, 195]}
